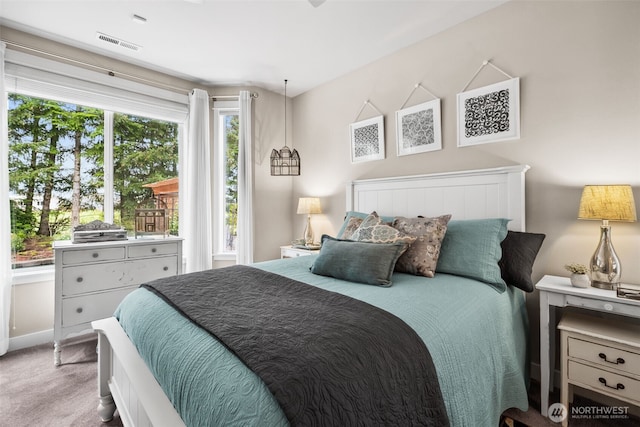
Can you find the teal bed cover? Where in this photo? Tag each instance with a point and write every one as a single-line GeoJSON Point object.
{"type": "Point", "coordinates": [477, 338]}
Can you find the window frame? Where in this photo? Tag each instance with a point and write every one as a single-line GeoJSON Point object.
{"type": "Point", "coordinates": [220, 108]}
{"type": "Point", "coordinates": [34, 76]}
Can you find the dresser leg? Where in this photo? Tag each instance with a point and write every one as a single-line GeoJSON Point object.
{"type": "Point", "coordinates": [106, 408]}
{"type": "Point", "coordinates": [56, 353]}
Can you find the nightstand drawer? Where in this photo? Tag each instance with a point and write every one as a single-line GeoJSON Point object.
{"type": "Point", "coordinates": [621, 307]}
{"type": "Point", "coordinates": [625, 388]}
{"type": "Point", "coordinates": [606, 356]}
{"type": "Point", "coordinates": [292, 252]}
{"type": "Point", "coordinates": [92, 255]}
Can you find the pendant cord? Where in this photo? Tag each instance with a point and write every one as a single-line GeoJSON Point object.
{"type": "Point", "coordinates": [285, 112]}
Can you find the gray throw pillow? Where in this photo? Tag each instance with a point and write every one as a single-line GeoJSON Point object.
{"type": "Point", "coordinates": [360, 262]}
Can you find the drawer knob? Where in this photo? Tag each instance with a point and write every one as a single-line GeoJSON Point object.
{"type": "Point", "coordinates": [617, 386]}
{"type": "Point", "coordinates": [608, 307]}
{"type": "Point", "coordinates": [79, 310]}
{"type": "Point", "coordinates": [165, 268]}
{"type": "Point", "coordinates": [154, 250]}
{"type": "Point", "coordinates": [79, 279]}
{"type": "Point", "coordinates": [618, 361]}
{"type": "Point", "coordinates": [95, 255]}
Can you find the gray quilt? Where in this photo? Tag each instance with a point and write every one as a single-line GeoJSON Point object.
{"type": "Point", "coordinates": [327, 358]}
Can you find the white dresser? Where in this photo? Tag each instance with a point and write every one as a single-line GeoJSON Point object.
{"type": "Point", "coordinates": [92, 278]}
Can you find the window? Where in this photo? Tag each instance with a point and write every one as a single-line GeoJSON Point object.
{"type": "Point", "coordinates": [125, 136]}
{"type": "Point", "coordinates": [58, 178]}
{"type": "Point", "coordinates": [225, 206]}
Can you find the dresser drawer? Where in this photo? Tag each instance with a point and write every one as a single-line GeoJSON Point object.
{"type": "Point", "coordinates": [109, 275]}
{"type": "Point", "coordinates": [85, 308]}
{"type": "Point", "coordinates": [142, 271]}
{"type": "Point", "coordinates": [606, 356]}
{"type": "Point", "coordinates": [82, 256]}
{"type": "Point", "coordinates": [138, 251]}
{"type": "Point", "coordinates": [94, 277]}
{"type": "Point", "coordinates": [625, 388]}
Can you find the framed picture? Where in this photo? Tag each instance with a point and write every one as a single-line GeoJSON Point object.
{"type": "Point", "coordinates": [367, 140]}
{"type": "Point", "coordinates": [418, 128]}
{"type": "Point", "coordinates": [489, 114]}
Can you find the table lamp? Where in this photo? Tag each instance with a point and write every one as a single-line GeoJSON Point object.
{"type": "Point", "coordinates": [606, 203]}
{"type": "Point", "coordinates": [309, 205]}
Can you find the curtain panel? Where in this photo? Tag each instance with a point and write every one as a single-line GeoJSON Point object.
{"type": "Point", "coordinates": [244, 249]}
{"type": "Point", "coordinates": [5, 215]}
{"type": "Point", "coordinates": [195, 186]}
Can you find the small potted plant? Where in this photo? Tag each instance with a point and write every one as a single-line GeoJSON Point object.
{"type": "Point", "coordinates": [579, 275]}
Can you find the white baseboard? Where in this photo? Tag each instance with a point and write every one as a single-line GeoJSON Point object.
{"type": "Point", "coordinates": [31, 340]}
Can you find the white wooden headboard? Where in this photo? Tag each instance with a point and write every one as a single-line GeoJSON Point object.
{"type": "Point", "coordinates": [471, 194]}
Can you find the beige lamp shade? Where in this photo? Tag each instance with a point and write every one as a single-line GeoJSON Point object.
{"type": "Point", "coordinates": [607, 202]}
{"type": "Point", "coordinates": [309, 205]}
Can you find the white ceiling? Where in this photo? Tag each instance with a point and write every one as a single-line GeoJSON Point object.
{"type": "Point", "coordinates": [244, 42]}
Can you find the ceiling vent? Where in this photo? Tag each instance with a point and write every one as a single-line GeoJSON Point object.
{"type": "Point", "coordinates": [118, 42]}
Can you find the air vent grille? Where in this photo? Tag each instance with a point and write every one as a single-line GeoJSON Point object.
{"type": "Point", "coordinates": [118, 42]}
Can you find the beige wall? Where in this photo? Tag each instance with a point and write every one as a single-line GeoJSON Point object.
{"type": "Point", "coordinates": [579, 69]}
{"type": "Point", "coordinates": [31, 308]}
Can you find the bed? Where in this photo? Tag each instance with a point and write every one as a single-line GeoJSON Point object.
{"type": "Point", "coordinates": [158, 368]}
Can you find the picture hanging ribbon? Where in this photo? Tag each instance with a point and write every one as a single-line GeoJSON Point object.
{"type": "Point", "coordinates": [417, 85]}
{"type": "Point", "coordinates": [369, 103]}
{"type": "Point", "coordinates": [484, 64]}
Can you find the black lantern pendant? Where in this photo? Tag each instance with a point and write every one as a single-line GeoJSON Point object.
{"type": "Point", "coordinates": [285, 162]}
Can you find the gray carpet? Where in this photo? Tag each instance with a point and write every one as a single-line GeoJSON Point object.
{"type": "Point", "coordinates": [34, 393]}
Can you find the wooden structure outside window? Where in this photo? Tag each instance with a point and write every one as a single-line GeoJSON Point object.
{"type": "Point", "coordinates": [158, 221]}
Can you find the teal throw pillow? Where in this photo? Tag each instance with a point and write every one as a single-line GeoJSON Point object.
{"type": "Point", "coordinates": [471, 248]}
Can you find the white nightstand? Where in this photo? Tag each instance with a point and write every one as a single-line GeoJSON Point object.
{"type": "Point", "coordinates": [599, 355]}
{"type": "Point", "coordinates": [557, 291]}
{"type": "Point", "coordinates": [291, 252]}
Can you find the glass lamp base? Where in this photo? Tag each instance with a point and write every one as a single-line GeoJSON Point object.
{"type": "Point", "coordinates": [605, 265]}
{"type": "Point", "coordinates": [605, 285]}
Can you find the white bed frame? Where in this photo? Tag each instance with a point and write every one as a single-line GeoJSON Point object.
{"type": "Point", "coordinates": [125, 382]}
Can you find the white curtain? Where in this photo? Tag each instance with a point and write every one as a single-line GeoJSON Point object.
{"type": "Point", "coordinates": [244, 248]}
{"type": "Point", "coordinates": [195, 186]}
{"type": "Point", "coordinates": [5, 215]}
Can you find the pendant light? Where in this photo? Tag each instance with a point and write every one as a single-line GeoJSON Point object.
{"type": "Point", "coordinates": [285, 162]}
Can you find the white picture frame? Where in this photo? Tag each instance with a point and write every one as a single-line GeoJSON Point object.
{"type": "Point", "coordinates": [367, 140]}
{"type": "Point", "coordinates": [489, 114]}
{"type": "Point", "coordinates": [419, 128]}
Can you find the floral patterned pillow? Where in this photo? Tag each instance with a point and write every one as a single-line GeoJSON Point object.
{"type": "Point", "coordinates": [421, 257]}
{"type": "Point", "coordinates": [374, 230]}
{"type": "Point", "coordinates": [353, 223]}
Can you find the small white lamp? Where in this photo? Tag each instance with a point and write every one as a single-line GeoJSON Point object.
{"type": "Point", "coordinates": [309, 205]}
{"type": "Point", "coordinates": [606, 203]}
